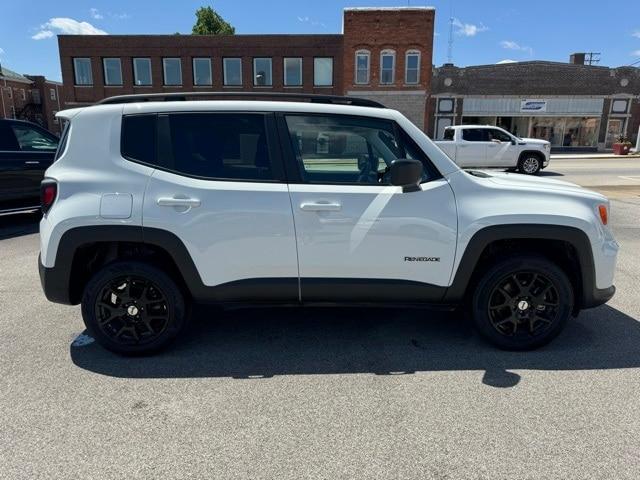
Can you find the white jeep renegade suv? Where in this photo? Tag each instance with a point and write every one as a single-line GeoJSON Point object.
{"type": "Point", "coordinates": [152, 205]}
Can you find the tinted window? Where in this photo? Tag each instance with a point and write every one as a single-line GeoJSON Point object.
{"type": "Point", "coordinates": [32, 140]}
{"type": "Point", "coordinates": [8, 142]}
{"type": "Point", "coordinates": [475, 135]}
{"type": "Point", "coordinates": [63, 140]}
{"type": "Point", "coordinates": [139, 138]}
{"type": "Point", "coordinates": [343, 149]}
{"type": "Point", "coordinates": [448, 134]}
{"type": "Point", "coordinates": [216, 145]}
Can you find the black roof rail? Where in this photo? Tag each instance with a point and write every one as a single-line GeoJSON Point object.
{"type": "Point", "coordinates": [183, 96]}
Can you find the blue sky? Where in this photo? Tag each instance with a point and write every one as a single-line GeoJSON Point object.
{"type": "Point", "coordinates": [485, 31]}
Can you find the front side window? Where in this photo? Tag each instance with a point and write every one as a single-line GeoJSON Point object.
{"type": "Point", "coordinates": [262, 72]}
{"type": "Point", "coordinates": [221, 146]}
{"type": "Point", "coordinates": [82, 71]}
{"type": "Point", "coordinates": [495, 134]}
{"type": "Point", "coordinates": [232, 71]}
{"type": "Point", "coordinates": [344, 149]}
{"type": "Point", "coordinates": [362, 67]}
{"type": "Point", "coordinates": [475, 134]}
{"type": "Point", "coordinates": [172, 71]}
{"type": "Point", "coordinates": [142, 71]}
{"type": "Point", "coordinates": [112, 71]}
{"type": "Point", "coordinates": [202, 71]}
{"type": "Point", "coordinates": [323, 71]}
{"type": "Point", "coordinates": [32, 140]}
{"type": "Point", "coordinates": [412, 67]}
{"type": "Point", "coordinates": [293, 72]}
{"type": "Point", "coordinates": [387, 66]}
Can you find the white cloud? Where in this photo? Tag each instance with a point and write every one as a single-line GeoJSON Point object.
{"type": "Point", "coordinates": [506, 60]}
{"type": "Point", "coordinates": [95, 13]}
{"type": "Point", "coordinates": [120, 16]}
{"type": "Point", "coordinates": [66, 26]}
{"type": "Point", "coordinates": [636, 34]}
{"type": "Point", "coordinates": [636, 53]}
{"type": "Point", "coordinates": [511, 45]}
{"type": "Point", "coordinates": [311, 21]}
{"type": "Point", "coordinates": [468, 29]}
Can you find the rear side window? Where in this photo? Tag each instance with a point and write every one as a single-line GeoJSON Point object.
{"type": "Point", "coordinates": [221, 146]}
{"type": "Point", "coordinates": [138, 140]}
{"type": "Point", "coordinates": [475, 134]}
{"type": "Point", "coordinates": [8, 141]}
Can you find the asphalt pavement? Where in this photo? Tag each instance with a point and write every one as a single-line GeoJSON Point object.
{"type": "Point", "coordinates": [324, 393]}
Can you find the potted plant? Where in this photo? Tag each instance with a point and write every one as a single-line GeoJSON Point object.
{"type": "Point", "coordinates": [622, 145]}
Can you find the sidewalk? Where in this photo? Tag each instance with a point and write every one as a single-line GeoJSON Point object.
{"type": "Point", "coordinates": [578, 156]}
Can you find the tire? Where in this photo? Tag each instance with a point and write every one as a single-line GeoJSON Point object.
{"type": "Point", "coordinates": [530, 164]}
{"type": "Point", "coordinates": [132, 308]}
{"type": "Point", "coordinates": [523, 315]}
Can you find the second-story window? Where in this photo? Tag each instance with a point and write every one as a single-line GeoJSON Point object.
{"type": "Point", "coordinates": [362, 67]}
{"type": "Point", "coordinates": [387, 66]}
{"type": "Point", "coordinates": [112, 71]}
{"type": "Point", "coordinates": [52, 93]}
{"type": "Point", "coordinates": [412, 67]}
{"type": "Point", "coordinates": [172, 71]}
{"type": "Point", "coordinates": [323, 71]}
{"type": "Point", "coordinates": [82, 71]}
{"type": "Point", "coordinates": [293, 72]}
{"type": "Point", "coordinates": [262, 72]}
{"type": "Point", "coordinates": [232, 71]}
{"type": "Point", "coordinates": [202, 71]}
{"type": "Point", "coordinates": [142, 71]}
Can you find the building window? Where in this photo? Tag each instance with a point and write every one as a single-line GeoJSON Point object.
{"type": "Point", "coordinates": [445, 105]}
{"type": "Point", "coordinates": [387, 66]}
{"type": "Point", "coordinates": [293, 72]}
{"type": "Point", "coordinates": [172, 71]}
{"type": "Point", "coordinates": [56, 120]}
{"type": "Point", "coordinates": [52, 93]}
{"type": "Point", "coordinates": [142, 71]}
{"type": "Point", "coordinates": [82, 71]}
{"type": "Point", "coordinates": [323, 71]}
{"type": "Point", "coordinates": [362, 67]}
{"type": "Point", "coordinates": [202, 71]}
{"type": "Point", "coordinates": [23, 94]}
{"type": "Point", "coordinates": [232, 71]}
{"type": "Point", "coordinates": [262, 72]}
{"type": "Point", "coordinates": [9, 92]}
{"type": "Point", "coordinates": [112, 71]}
{"type": "Point", "coordinates": [619, 106]}
{"type": "Point", "coordinates": [412, 67]}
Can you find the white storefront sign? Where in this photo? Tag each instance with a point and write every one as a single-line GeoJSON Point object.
{"type": "Point", "coordinates": [535, 105]}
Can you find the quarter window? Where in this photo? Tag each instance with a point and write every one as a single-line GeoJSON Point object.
{"type": "Point", "coordinates": [323, 71]}
{"type": "Point", "coordinates": [362, 67]}
{"type": "Point", "coordinates": [293, 72]}
{"type": "Point", "coordinates": [172, 71]}
{"type": "Point", "coordinates": [112, 71]}
{"type": "Point", "coordinates": [202, 71]}
{"type": "Point", "coordinates": [387, 66]}
{"type": "Point", "coordinates": [232, 71]}
{"type": "Point", "coordinates": [412, 68]}
{"type": "Point", "coordinates": [142, 71]}
{"type": "Point", "coordinates": [138, 141]}
{"type": "Point", "coordinates": [262, 72]}
{"type": "Point", "coordinates": [82, 71]}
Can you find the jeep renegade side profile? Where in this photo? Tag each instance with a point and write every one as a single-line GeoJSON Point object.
{"type": "Point", "coordinates": [153, 205]}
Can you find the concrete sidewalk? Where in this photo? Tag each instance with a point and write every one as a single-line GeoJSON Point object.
{"type": "Point", "coordinates": [580, 156]}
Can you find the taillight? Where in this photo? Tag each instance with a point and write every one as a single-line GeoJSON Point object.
{"type": "Point", "coordinates": [604, 214]}
{"type": "Point", "coordinates": [48, 193]}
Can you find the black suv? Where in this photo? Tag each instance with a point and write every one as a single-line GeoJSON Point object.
{"type": "Point", "coordinates": [26, 151]}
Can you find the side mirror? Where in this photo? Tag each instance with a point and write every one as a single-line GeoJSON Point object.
{"type": "Point", "coordinates": [406, 173]}
{"type": "Point", "coordinates": [513, 141]}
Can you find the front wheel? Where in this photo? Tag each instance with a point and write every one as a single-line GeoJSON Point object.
{"type": "Point", "coordinates": [530, 164]}
{"type": "Point", "coordinates": [522, 303]}
{"type": "Point", "coordinates": [133, 308]}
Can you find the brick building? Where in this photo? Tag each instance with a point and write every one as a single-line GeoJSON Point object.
{"type": "Point", "coordinates": [30, 97]}
{"type": "Point", "coordinates": [573, 105]}
{"type": "Point", "coordinates": [383, 53]}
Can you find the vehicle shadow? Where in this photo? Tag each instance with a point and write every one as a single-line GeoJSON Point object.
{"type": "Point", "coordinates": [248, 344]}
{"type": "Point", "coordinates": [17, 225]}
{"type": "Point", "coordinates": [549, 173]}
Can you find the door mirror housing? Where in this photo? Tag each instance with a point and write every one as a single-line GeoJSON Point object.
{"type": "Point", "coordinates": [406, 173]}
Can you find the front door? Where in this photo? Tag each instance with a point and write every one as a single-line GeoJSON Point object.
{"type": "Point", "coordinates": [359, 238]}
{"type": "Point", "coordinates": [220, 189]}
{"type": "Point", "coordinates": [500, 149]}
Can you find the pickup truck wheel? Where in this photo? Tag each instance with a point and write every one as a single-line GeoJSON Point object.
{"type": "Point", "coordinates": [530, 164]}
{"type": "Point", "coordinates": [522, 303]}
{"type": "Point", "coordinates": [133, 308]}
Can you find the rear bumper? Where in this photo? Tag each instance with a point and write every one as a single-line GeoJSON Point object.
{"type": "Point", "coordinates": [55, 284]}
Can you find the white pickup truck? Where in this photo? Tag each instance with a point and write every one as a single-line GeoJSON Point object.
{"type": "Point", "coordinates": [485, 146]}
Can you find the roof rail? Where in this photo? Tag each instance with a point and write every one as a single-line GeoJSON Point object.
{"type": "Point", "coordinates": [183, 96]}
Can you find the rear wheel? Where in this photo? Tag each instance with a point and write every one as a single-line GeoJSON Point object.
{"type": "Point", "coordinates": [530, 164]}
{"type": "Point", "coordinates": [522, 303]}
{"type": "Point", "coordinates": [133, 308]}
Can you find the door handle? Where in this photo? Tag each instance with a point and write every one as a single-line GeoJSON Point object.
{"type": "Point", "coordinates": [178, 202]}
{"type": "Point", "coordinates": [320, 207]}
{"type": "Point", "coordinates": [32, 162]}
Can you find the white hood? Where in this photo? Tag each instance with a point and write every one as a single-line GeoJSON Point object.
{"type": "Point", "coordinates": [535, 141]}
{"type": "Point", "coordinates": [542, 183]}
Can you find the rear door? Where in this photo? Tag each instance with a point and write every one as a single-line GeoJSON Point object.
{"type": "Point", "coordinates": [472, 147]}
{"type": "Point", "coordinates": [359, 238]}
{"type": "Point", "coordinates": [219, 187]}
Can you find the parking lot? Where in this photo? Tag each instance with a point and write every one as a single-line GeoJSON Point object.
{"type": "Point", "coordinates": [324, 393]}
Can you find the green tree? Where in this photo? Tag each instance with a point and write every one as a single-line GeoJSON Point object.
{"type": "Point", "coordinates": [209, 22]}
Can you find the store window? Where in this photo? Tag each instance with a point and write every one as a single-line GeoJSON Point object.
{"type": "Point", "coordinates": [566, 131]}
